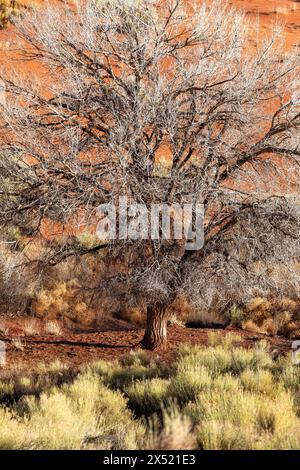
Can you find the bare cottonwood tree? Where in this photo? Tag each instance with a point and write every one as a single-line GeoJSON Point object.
{"type": "Point", "coordinates": [163, 102]}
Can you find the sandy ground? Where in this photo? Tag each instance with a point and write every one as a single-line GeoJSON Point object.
{"type": "Point", "coordinates": [114, 339]}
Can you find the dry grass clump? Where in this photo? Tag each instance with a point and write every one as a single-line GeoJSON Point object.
{"type": "Point", "coordinates": [53, 302]}
{"type": "Point", "coordinates": [4, 330]}
{"type": "Point", "coordinates": [148, 396]}
{"type": "Point", "coordinates": [134, 315]}
{"type": "Point", "coordinates": [204, 319]}
{"type": "Point", "coordinates": [31, 327]}
{"type": "Point", "coordinates": [173, 432]}
{"type": "Point", "coordinates": [180, 308]}
{"type": "Point", "coordinates": [62, 300]}
{"type": "Point", "coordinates": [220, 396]}
{"type": "Point", "coordinates": [134, 367]}
{"type": "Point", "coordinates": [8, 9]}
{"type": "Point", "coordinates": [267, 316]}
{"type": "Point", "coordinates": [53, 328]}
{"type": "Point", "coordinates": [17, 343]}
{"type": "Point", "coordinates": [185, 313]}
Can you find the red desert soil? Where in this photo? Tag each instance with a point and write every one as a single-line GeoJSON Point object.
{"type": "Point", "coordinates": [112, 340]}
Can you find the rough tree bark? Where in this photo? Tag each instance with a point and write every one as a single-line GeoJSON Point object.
{"type": "Point", "coordinates": [156, 327]}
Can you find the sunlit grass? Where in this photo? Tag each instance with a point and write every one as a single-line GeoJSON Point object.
{"type": "Point", "coordinates": [221, 396]}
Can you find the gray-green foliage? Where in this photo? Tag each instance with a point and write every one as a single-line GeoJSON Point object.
{"type": "Point", "coordinates": [217, 397]}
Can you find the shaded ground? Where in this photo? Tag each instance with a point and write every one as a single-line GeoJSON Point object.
{"type": "Point", "coordinates": [112, 340]}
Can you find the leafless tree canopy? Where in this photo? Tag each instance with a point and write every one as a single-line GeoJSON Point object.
{"type": "Point", "coordinates": [164, 102]}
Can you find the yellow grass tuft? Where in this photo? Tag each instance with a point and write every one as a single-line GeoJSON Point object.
{"type": "Point", "coordinates": [53, 328]}
{"type": "Point", "coordinates": [31, 327]}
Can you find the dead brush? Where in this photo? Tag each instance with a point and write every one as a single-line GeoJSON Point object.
{"type": "Point", "coordinates": [31, 328]}
{"type": "Point", "coordinates": [63, 300]}
{"type": "Point", "coordinates": [271, 316]}
{"type": "Point", "coordinates": [134, 315]}
{"type": "Point", "coordinates": [181, 309]}
{"type": "Point", "coordinates": [277, 324]}
{"type": "Point", "coordinates": [258, 310]}
{"type": "Point", "coordinates": [8, 9]}
{"type": "Point", "coordinates": [204, 319]}
{"type": "Point", "coordinates": [18, 344]}
{"type": "Point", "coordinates": [249, 325]}
{"type": "Point", "coordinates": [291, 329]}
{"type": "Point", "coordinates": [176, 432]}
{"type": "Point", "coordinates": [4, 330]}
{"type": "Point", "coordinates": [53, 328]}
{"type": "Point", "coordinates": [174, 320]}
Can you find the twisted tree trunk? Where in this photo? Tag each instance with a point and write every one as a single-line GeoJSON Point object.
{"type": "Point", "coordinates": [156, 328]}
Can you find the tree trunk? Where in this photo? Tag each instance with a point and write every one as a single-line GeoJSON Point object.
{"type": "Point", "coordinates": [156, 328]}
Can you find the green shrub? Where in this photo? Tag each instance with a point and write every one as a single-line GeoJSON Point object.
{"type": "Point", "coordinates": [148, 396]}
{"type": "Point", "coordinates": [222, 397]}
{"type": "Point", "coordinates": [235, 316]}
{"type": "Point", "coordinates": [189, 381]}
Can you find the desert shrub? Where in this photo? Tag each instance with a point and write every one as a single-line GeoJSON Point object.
{"type": "Point", "coordinates": [260, 381]}
{"type": "Point", "coordinates": [12, 432]}
{"type": "Point", "coordinates": [148, 396]}
{"type": "Point", "coordinates": [189, 381]}
{"type": "Point", "coordinates": [272, 316]}
{"type": "Point", "coordinates": [19, 384]}
{"type": "Point", "coordinates": [180, 308]}
{"type": "Point", "coordinates": [214, 338]}
{"type": "Point", "coordinates": [172, 431]}
{"type": "Point", "coordinates": [138, 358]}
{"type": "Point", "coordinates": [277, 316]}
{"type": "Point", "coordinates": [107, 410]}
{"type": "Point", "coordinates": [122, 377]}
{"type": "Point", "coordinates": [54, 301]}
{"type": "Point", "coordinates": [225, 358]}
{"type": "Point", "coordinates": [92, 416]}
{"type": "Point", "coordinates": [217, 360]}
{"type": "Point", "coordinates": [63, 300]}
{"type": "Point", "coordinates": [215, 435]}
{"type": "Point", "coordinates": [15, 283]}
{"type": "Point", "coordinates": [6, 390]}
{"type": "Point", "coordinates": [247, 420]}
{"type": "Point", "coordinates": [134, 367]}
{"type": "Point", "coordinates": [213, 397]}
{"type": "Point", "coordinates": [4, 330]}
{"type": "Point", "coordinates": [53, 328]}
{"type": "Point", "coordinates": [204, 319]}
{"type": "Point", "coordinates": [249, 325]}
{"type": "Point", "coordinates": [134, 315]}
{"type": "Point", "coordinates": [230, 340]}
{"type": "Point", "coordinates": [8, 9]}
{"type": "Point", "coordinates": [31, 327]}
{"type": "Point", "coordinates": [235, 316]}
